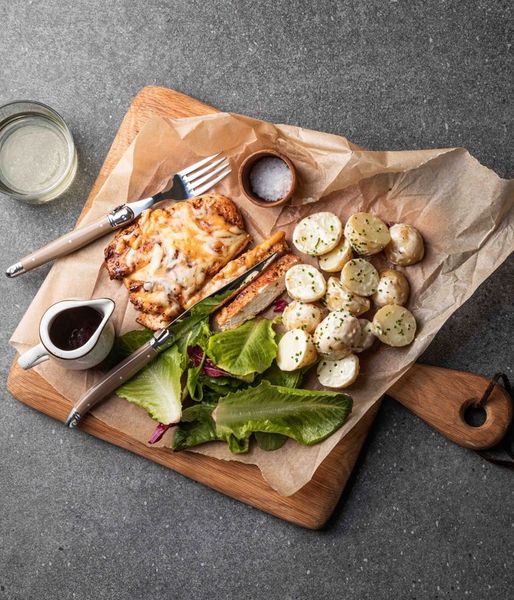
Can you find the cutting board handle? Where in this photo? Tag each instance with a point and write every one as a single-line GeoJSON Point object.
{"type": "Point", "coordinates": [441, 397]}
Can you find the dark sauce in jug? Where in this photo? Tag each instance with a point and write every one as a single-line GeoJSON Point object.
{"type": "Point", "coordinates": [74, 327]}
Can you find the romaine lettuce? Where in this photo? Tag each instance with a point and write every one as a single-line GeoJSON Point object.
{"type": "Point", "coordinates": [246, 350]}
{"type": "Point", "coordinates": [197, 336]}
{"type": "Point", "coordinates": [270, 441]}
{"type": "Point", "coordinates": [196, 427]}
{"type": "Point", "coordinates": [289, 379]}
{"type": "Point", "coordinates": [157, 387]}
{"type": "Point", "coordinates": [308, 416]}
{"type": "Point", "coordinates": [126, 344]}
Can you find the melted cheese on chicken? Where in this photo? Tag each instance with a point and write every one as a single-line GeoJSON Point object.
{"type": "Point", "coordinates": [171, 252]}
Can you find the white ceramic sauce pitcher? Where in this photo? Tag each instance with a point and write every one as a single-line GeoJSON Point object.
{"type": "Point", "coordinates": [65, 320]}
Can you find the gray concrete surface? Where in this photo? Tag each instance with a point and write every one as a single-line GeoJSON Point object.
{"type": "Point", "coordinates": [422, 518]}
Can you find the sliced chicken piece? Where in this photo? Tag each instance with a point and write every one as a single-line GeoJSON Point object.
{"type": "Point", "coordinates": [239, 265]}
{"type": "Point", "coordinates": [257, 296]}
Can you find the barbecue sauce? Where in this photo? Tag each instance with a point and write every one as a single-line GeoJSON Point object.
{"type": "Point", "coordinates": [74, 327]}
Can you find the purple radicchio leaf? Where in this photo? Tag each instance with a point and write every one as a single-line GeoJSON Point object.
{"type": "Point", "coordinates": [280, 305]}
{"type": "Point", "coordinates": [159, 431]}
{"type": "Point", "coordinates": [209, 368]}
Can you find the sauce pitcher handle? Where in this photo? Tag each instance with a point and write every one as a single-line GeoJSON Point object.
{"type": "Point", "coordinates": [35, 356]}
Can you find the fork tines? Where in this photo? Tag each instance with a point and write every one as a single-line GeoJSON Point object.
{"type": "Point", "coordinates": [201, 176]}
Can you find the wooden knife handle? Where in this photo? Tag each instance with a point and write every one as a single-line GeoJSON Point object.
{"type": "Point", "coordinates": [66, 244]}
{"type": "Point", "coordinates": [111, 381]}
{"type": "Point", "coordinates": [441, 396]}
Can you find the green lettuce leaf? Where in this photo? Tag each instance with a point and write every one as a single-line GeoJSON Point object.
{"type": "Point", "coordinates": [270, 441]}
{"type": "Point", "coordinates": [193, 383]}
{"type": "Point", "coordinates": [197, 412]}
{"type": "Point", "coordinates": [220, 386]}
{"type": "Point", "coordinates": [202, 387]}
{"type": "Point", "coordinates": [126, 344]}
{"type": "Point", "coordinates": [238, 446]}
{"type": "Point", "coordinates": [157, 387]}
{"type": "Point", "coordinates": [307, 416]}
{"type": "Point", "coordinates": [198, 335]}
{"type": "Point", "coordinates": [186, 435]}
{"type": "Point", "coordinates": [246, 350]}
{"type": "Point", "coordinates": [289, 379]}
{"type": "Point", "coordinates": [193, 324]}
{"type": "Point", "coordinates": [196, 427]}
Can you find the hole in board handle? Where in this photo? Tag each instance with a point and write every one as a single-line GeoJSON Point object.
{"type": "Point", "coordinates": [474, 416]}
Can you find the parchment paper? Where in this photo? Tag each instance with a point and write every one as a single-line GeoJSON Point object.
{"type": "Point", "coordinates": [463, 210]}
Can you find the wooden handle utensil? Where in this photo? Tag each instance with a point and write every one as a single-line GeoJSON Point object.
{"type": "Point", "coordinates": [116, 377]}
{"type": "Point", "coordinates": [62, 246]}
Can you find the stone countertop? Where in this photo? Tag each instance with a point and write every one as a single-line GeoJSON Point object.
{"type": "Point", "coordinates": [421, 518]}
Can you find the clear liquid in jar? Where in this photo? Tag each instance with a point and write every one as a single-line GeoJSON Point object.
{"type": "Point", "coordinates": [34, 154]}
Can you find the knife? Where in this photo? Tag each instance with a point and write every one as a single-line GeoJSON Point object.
{"type": "Point", "coordinates": [160, 341]}
{"type": "Point", "coordinates": [68, 243]}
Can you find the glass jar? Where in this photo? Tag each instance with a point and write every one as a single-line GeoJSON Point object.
{"type": "Point", "coordinates": [38, 159]}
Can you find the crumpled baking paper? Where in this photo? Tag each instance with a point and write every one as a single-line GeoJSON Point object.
{"type": "Point", "coordinates": [463, 210]}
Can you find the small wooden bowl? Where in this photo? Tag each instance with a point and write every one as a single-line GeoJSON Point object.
{"type": "Point", "coordinates": [244, 178]}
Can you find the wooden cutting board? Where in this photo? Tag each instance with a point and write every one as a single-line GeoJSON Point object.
{"type": "Point", "coordinates": [314, 503]}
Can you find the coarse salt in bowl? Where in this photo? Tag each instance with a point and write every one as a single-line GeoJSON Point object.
{"type": "Point", "coordinates": [270, 178]}
{"type": "Point", "coordinates": [267, 178]}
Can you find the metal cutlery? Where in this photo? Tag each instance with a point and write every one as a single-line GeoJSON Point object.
{"type": "Point", "coordinates": [191, 181]}
{"type": "Point", "coordinates": [161, 340]}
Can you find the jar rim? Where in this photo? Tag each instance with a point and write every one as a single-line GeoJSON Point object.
{"type": "Point", "coordinates": [71, 160]}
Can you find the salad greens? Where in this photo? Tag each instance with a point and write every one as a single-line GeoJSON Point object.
{"type": "Point", "coordinates": [232, 387]}
{"type": "Point", "coordinates": [290, 379]}
{"type": "Point", "coordinates": [197, 335]}
{"type": "Point", "coordinates": [270, 441]}
{"type": "Point", "coordinates": [307, 416]}
{"type": "Point", "coordinates": [246, 350]}
{"type": "Point", "coordinates": [157, 388]}
{"type": "Point", "coordinates": [196, 427]}
{"type": "Point", "coordinates": [126, 344]}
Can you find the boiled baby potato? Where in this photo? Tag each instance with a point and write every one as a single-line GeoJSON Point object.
{"type": "Point", "coordinates": [305, 283]}
{"type": "Point", "coordinates": [406, 246]}
{"type": "Point", "coordinates": [338, 373]}
{"type": "Point", "coordinates": [367, 336]}
{"type": "Point", "coordinates": [394, 325]}
{"type": "Point", "coordinates": [336, 259]}
{"type": "Point", "coordinates": [393, 288]}
{"type": "Point", "coordinates": [336, 334]}
{"type": "Point", "coordinates": [318, 233]}
{"type": "Point", "coordinates": [366, 233]}
{"type": "Point", "coordinates": [295, 350]}
{"type": "Point", "coordinates": [300, 315]}
{"type": "Point", "coordinates": [359, 277]}
{"type": "Point", "coordinates": [337, 298]}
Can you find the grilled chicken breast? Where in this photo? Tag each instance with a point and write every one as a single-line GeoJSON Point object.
{"type": "Point", "coordinates": [257, 296]}
{"type": "Point", "coordinates": [237, 266]}
{"type": "Point", "coordinates": [169, 253]}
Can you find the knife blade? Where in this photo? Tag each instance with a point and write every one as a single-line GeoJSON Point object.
{"type": "Point", "coordinates": [162, 340]}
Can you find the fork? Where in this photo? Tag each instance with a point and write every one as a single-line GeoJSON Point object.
{"type": "Point", "coordinates": [191, 181]}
